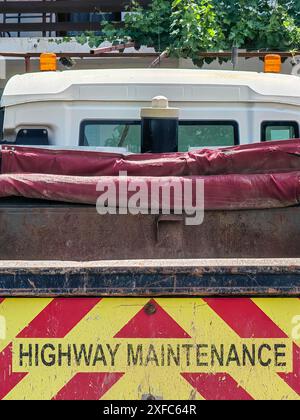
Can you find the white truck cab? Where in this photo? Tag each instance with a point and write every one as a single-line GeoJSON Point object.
{"type": "Point", "coordinates": [101, 108]}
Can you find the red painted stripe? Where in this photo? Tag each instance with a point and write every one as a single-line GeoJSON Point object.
{"type": "Point", "coordinates": [293, 378]}
{"type": "Point", "coordinates": [1, 300]}
{"type": "Point", "coordinates": [8, 379]}
{"type": "Point", "coordinates": [245, 318]}
{"type": "Point", "coordinates": [217, 387]}
{"type": "Point", "coordinates": [59, 318]}
{"type": "Point", "coordinates": [88, 386]}
{"type": "Point", "coordinates": [156, 325]}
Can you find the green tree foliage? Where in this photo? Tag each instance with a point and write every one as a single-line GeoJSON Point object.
{"type": "Point", "coordinates": [259, 24]}
{"type": "Point", "coordinates": [194, 27]}
{"type": "Point", "coordinates": [293, 8]}
{"type": "Point", "coordinates": [146, 27]}
{"type": "Point", "coordinates": [188, 27]}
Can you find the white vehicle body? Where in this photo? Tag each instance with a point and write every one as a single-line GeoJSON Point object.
{"type": "Point", "coordinates": [60, 102]}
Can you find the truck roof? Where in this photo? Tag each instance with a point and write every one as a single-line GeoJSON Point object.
{"type": "Point", "coordinates": [179, 85]}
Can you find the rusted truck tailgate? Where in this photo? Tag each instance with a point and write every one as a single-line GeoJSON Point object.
{"type": "Point", "coordinates": [217, 329]}
{"type": "Point", "coordinates": [123, 307]}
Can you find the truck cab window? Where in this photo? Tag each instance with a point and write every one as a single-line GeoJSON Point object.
{"type": "Point", "coordinates": [115, 134]}
{"type": "Point", "coordinates": [279, 130]}
{"type": "Point", "coordinates": [127, 134]}
{"type": "Point", "coordinates": [32, 137]}
{"type": "Point", "coordinates": [194, 134]}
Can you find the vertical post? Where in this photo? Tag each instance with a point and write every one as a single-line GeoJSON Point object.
{"type": "Point", "coordinates": [4, 18]}
{"type": "Point", "coordinates": [27, 64]}
{"type": "Point", "coordinates": [19, 21]}
{"type": "Point", "coordinates": [44, 20]}
{"type": "Point", "coordinates": [159, 127]}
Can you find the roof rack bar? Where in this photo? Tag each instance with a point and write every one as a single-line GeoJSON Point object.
{"type": "Point", "coordinates": [119, 47]}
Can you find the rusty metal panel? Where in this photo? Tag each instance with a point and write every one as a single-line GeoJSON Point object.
{"type": "Point", "coordinates": [211, 349]}
{"type": "Point", "coordinates": [78, 233]}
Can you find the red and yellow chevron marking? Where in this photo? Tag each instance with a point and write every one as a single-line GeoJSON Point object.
{"type": "Point", "coordinates": [116, 348]}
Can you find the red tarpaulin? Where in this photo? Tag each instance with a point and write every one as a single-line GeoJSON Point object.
{"type": "Point", "coordinates": [265, 175]}
{"type": "Point", "coordinates": [221, 192]}
{"type": "Point", "coordinates": [276, 157]}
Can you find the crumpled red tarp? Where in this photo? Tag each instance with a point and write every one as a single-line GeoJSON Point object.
{"type": "Point", "coordinates": [264, 175]}
{"type": "Point", "coordinates": [283, 156]}
{"type": "Point", "coordinates": [221, 192]}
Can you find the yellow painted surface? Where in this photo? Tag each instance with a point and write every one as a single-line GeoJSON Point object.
{"type": "Point", "coordinates": [152, 365]}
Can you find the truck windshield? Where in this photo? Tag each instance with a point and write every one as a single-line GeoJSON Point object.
{"type": "Point", "coordinates": [127, 134]}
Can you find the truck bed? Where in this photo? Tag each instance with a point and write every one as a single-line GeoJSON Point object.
{"type": "Point", "coordinates": [45, 231]}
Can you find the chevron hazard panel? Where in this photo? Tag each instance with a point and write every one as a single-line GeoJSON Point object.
{"type": "Point", "coordinates": [133, 348]}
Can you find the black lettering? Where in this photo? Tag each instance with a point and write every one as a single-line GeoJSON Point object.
{"type": "Point", "coordinates": [175, 357]}
{"type": "Point", "coordinates": [83, 354]}
{"type": "Point", "coordinates": [233, 356]}
{"type": "Point", "coordinates": [36, 355]}
{"type": "Point", "coordinates": [23, 354]}
{"type": "Point", "coordinates": [200, 354]}
{"type": "Point", "coordinates": [50, 360]}
{"type": "Point", "coordinates": [113, 352]}
{"type": "Point", "coordinates": [152, 356]}
{"type": "Point", "coordinates": [217, 355]}
{"type": "Point", "coordinates": [260, 355]}
{"type": "Point", "coordinates": [133, 359]}
{"type": "Point", "coordinates": [188, 348]}
{"type": "Point", "coordinates": [279, 354]}
{"type": "Point", "coordinates": [247, 356]}
{"type": "Point", "coordinates": [99, 356]}
{"type": "Point", "coordinates": [64, 354]}
{"type": "Point", "coordinates": [162, 355]}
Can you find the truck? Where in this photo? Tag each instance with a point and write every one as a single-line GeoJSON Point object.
{"type": "Point", "coordinates": [100, 299]}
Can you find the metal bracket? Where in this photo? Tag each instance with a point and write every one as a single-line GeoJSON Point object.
{"type": "Point", "coordinates": [170, 218]}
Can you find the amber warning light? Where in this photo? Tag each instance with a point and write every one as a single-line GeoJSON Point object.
{"type": "Point", "coordinates": [272, 63]}
{"type": "Point", "coordinates": [48, 62]}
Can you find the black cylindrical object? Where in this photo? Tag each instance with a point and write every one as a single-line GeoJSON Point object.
{"type": "Point", "coordinates": [159, 135]}
{"type": "Point", "coordinates": [159, 127]}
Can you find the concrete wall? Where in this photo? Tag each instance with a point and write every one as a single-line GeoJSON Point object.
{"type": "Point", "coordinates": [39, 45]}
{"type": "Point", "coordinates": [252, 64]}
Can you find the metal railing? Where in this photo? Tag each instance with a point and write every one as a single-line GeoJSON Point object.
{"type": "Point", "coordinates": [58, 16]}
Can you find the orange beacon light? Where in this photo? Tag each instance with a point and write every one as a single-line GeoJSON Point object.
{"type": "Point", "coordinates": [48, 62]}
{"type": "Point", "coordinates": [272, 63]}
